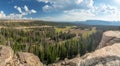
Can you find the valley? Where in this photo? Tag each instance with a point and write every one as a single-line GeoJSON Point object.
{"type": "Point", "coordinates": [51, 41]}
{"type": "Point", "coordinates": [59, 33]}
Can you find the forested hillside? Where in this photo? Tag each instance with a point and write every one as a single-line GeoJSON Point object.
{"type": "Point", "coordinates": [51, 41]}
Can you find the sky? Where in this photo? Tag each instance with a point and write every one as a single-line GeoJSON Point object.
{"type": "Point", "coordinates": [61, 10]}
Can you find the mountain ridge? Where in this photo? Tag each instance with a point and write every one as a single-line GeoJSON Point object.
{"type": "Point", "coordinates": [99, 22]}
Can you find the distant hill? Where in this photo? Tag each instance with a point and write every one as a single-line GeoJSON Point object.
{"type": "Point", "coordinates": [99, 22]}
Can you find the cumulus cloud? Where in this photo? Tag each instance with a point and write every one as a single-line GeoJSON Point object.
{"type": "Point", "coordinates": [2, 14]}
{"type": "Point", "coordinates": [45, 1]}
{"type": "Point", "coordinates": [14, 16]}
{"type": "Point", "coordinates": [77, 10]}
{"type": "Point", "coordinates": [23, 11]}
{"type": "Point", "coordinates": [10, 16]}
{"type": "Point", "coordinates": [29, 11]}
{"type": "Point", "coordinates": [107, 12]}
{"type": "Point", "coordinates": [18, 8]}
{"type": "Point", "coordinates": [47, 8]}
{"type": "Point", "coordinates": [101, 12]}
{"type": "Point", "coordinates": [90, 3]}
{"type": "Point", "coordinates": [117, 2]}
{"type": "Point", "coordinates": [33, 11]}
{"type": "Point", "coordinates": [66, 4]}
{"type": "Point", "coordinates": [78, 1]}
{"type": "Point", "coordinates": [72, 15]}
{"type": "Point", "coordinates": [26, 8]}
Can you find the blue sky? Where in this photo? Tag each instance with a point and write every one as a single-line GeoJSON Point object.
{"type": "Point", "coordinates": [61, 10]}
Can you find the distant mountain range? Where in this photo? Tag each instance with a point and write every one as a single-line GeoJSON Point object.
{"type": "Point", "coordinates": [99, 22]}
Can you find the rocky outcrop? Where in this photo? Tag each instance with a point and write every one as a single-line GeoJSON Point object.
{"type": "Point", "coordinates": [8, 58]}
{"type": "Point", "coordinates": [107, 56]}
{"type": "Point", "coordinates": [109, 38]}
{"type": "Point", "coordinates": [108, 53]}
{"type": "Point", "coordinates": [6, 55]}
{"type": "Point", "coordinates": [28, 59]}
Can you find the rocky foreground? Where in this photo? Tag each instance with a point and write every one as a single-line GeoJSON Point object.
{"type": "Point", "coordinates": [107, 54]}
{"type": "Point", "coordinates": [8, 58]}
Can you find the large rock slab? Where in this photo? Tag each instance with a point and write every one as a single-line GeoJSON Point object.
{"type": "Point", "coordinates": [28, 59]}
{"type": "Point", "coordinates": [107, 56]}
{"type": "Point", "coordinates": [6, 55]}
{"type": "Point", "coordinates": [109, 38]}
{"type": "Point", "coordinates": [8, 58]}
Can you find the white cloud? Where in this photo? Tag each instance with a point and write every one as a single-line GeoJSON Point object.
{"type": "Point", "coordinates": [47, 8]}
{"type": "Point", "coordinates": [33, 11]}
{"type": "Point", "coordinates": [117, 1]}
{"type": "Point", "coordinates": [78, 15]}
{"type": "Point", "coordinates": [80, 10]}
{"type": "Point", "coordinates": [22, 12]}
{"type": "Point", "coordinates": [61, 5]}
{"type": "Point", "coordinates": [112, 13]}
{"type": "Point", "coordinates": [2, 14]}
{"type": "Point", "coordinates": [78, 1]}
{"type": "Point", "coordinates": [29, 11]}
{"type": "Point", "coordinates": [18, 8]}
{"type": "Point", "coordinates": [10, 16]}
{"type": "Point", "coordinates": [102, 12]}
{"type": "Point", "coordinates": [46, 1]}
{"type": "Point", "coordinates": [72, 15]}
{"type": "Point", "coordinates": [90, 3]}
{"type": "Point", "coordinates": [26, 8]}
{"type": "Point", "coordinates": [14, 16]}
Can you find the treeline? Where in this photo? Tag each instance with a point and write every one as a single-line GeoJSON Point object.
{"type": "Point", "coordinates": [49, 53]}
{"type": "Point", "coordinates": [35, 23]}
{"type": "Point", "coordinates": [49, 45]}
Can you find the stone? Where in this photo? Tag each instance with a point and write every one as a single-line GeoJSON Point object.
{"type": "Point", "coordinates": [28, 59]}
{"type": "Point", "coordinates": [109, 38]}
{"type": "Point", "coordinates": [6, 55]}
{"type": "Point", "coordinates": [8, 58]}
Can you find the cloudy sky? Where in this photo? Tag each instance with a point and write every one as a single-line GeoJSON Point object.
{"type": "Point", "coordinates": [61, 10]}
